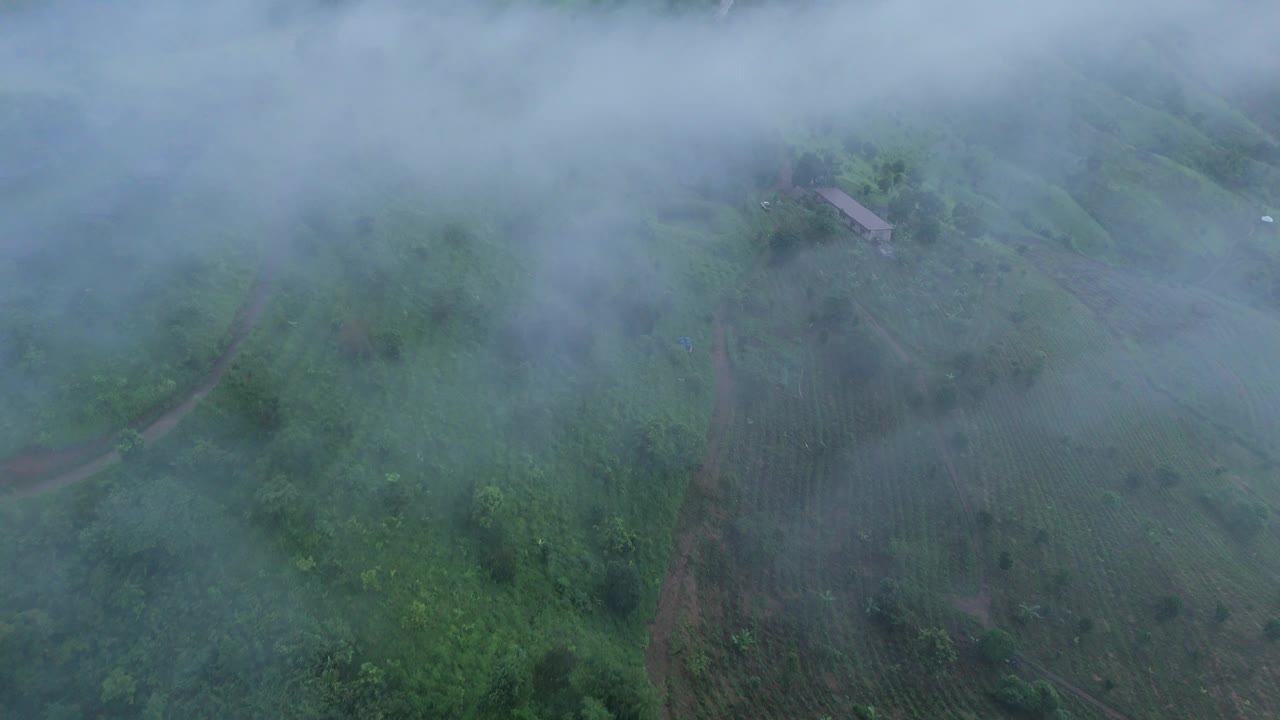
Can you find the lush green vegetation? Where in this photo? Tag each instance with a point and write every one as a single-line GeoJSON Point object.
{"type": "Point", "coordinates": [415, 492]}
{"type": "Point", "coordinates": [1028, 457]}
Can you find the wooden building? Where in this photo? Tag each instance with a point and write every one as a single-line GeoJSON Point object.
{"type": "Point", "coordinates": [855, 215]}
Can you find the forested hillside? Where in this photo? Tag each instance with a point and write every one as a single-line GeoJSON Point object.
{"type": "Point", "coordinates": [556, 393]}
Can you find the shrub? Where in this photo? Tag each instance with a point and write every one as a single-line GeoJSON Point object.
{"type": "Point", "coordinates": [783, 242]}
{"type": "Point", "coordinates": [391, 343]}
{"type": "Point", "coordinates": [622, 587]}
{"type": "Point", "coordinates": [615, 539]}
{"type": "Point", "coordinates": [888, 606]}
{"type": "Point", "coordinates": [552, 671]}
{"type": "Point", "coordinates": [593, 709]}
{"type": "Point", "coordinates": [1006, 560]}
{"type": "Point", "coordinates": [1168, 608]}
{"type": "Point", "coordinates": [1037, 699]}
{"type": "Point", "coordinates": [119, 688]}
{"type": "Point", "coordinates": [1272, 629]}
{"type": "Point", "coordinates": [985, 519]}
{"type": "Point", "coordinates": [625, 693]}
{"type": "Point", "coordinates": [416, 617]}
{"type": "Point", "coordinates": [813, 169]}
{"type": "Point", "coordinates": [553, 693]}
{"type": "Point", "coordinates": [698, 664]}
{"type": "Point", "coordinates": [1243, 517]}
{"type": "Point", "coordinates": [506, 682]}
{"type": "Point", "coordinates": [928, 229]}
{"type": "Point", "coordinates": [276, 501]}
{"type": "Point", "coordinates": [997, 646]}
{"type": "Point", "coordinates": [945, 396]}
{"type": "Point", "coordinates": [129, 443]}
{"type": "Point", "coordinates": [395, 494]}
{"type": "Point", "coordinates": [1221, 613]}
{"type": "Point", "coordinates": [499, 560]}
{"type": "Point", "coordinates": [485, 504]}
{"type": "Point", "coordinates": [936, 649]}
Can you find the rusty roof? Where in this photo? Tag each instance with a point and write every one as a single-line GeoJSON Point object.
{"type": "Point", "coordinates": [853, 208]}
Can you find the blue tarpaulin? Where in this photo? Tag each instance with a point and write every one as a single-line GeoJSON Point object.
{"type": "Point", "coordinates": [686, 343]}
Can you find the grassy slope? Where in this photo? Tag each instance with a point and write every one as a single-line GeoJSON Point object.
{"type": "Point", "coordinates": [336, 493]}
{"type": "Point", "coordinates": [309, 527]}
{"type": "Point", "coordinates": [1111, 425]}
{"type": "Point", "coordinates": [841, 484]}
{"type": "Point", "coordinates": [105, 317]}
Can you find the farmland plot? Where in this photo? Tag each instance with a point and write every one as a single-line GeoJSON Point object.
{"type": "Point", "coordinates": [1035, 466]}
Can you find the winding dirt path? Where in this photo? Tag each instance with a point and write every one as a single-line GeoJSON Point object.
{"type": "Point", "coordinates": [680, 586]}
{"type": "Point", "coordinates": [38, 472]}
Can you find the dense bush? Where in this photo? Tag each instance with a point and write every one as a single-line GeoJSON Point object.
{"type": "Point", "coordinates": [615, 539]}
{"type": "Point", "coordinates": [485, 504]}
{"type": "Point", "coordinates": [1037, 699]}
{"type": "Point", "coordinates": [935, 649]}
{"type": "Point", "coordinates": [622, 587]}
{"type": "Point", "coordinates": [996, 646]}
{"type": "Point", "coordinates": [551, 674]}
{"type": "Point", "coordinates": [129, 443]}
{"type": "Point", "coordinates": [812, 169]}
{"type": "Point", "coordinates": [499, 560]}
{"type": "Point", "coordinates": [889, 605]}
{"type": "Point", "coordinates": [1221, 613]}
{"type": "Point", "coordinates": [507, 683]}
{"type": "Point", "coordinates": [625, 693]}
{"type": "Point", "coordinates": [1168, 608]}
{"type": "Point", "coordinates": [1242, 517]}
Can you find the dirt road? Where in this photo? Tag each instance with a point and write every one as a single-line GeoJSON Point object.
{"type": "Point", "coordinates": [680, 587]}
{"type": "Point", "coordinates": [38, 472]}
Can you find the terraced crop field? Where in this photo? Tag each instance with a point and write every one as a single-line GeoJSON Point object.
{"type": "Point", "coordinates": [1056, 469]}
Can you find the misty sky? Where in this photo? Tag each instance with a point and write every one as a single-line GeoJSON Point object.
{"type": "Point", "coordinates": [278, 98]}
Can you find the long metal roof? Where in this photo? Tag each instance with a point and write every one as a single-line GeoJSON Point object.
{"type": "Point", "coordinates": [853, 208]}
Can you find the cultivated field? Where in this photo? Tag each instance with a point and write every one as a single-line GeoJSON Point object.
{"type": "Point", "coordinates": [1054, 473]}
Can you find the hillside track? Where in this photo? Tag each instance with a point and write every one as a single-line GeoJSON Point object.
{"type": "Point", "coordinates": [1083, 695]}
{"type": "Point", "coordinates": [36, 472]}
{"type": "Point", "coordinates": [678, 597]}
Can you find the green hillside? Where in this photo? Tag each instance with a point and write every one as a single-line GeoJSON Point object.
{"type": "Point", "coordinates": [627, 443]}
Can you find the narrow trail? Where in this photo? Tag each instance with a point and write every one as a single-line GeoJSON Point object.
{"type": "Point", "coordinates": [38, 472]}
{"type": "Point", "coordinates": [1082, 694]}
{"type": "Point", "coordinates": [680, 588]}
